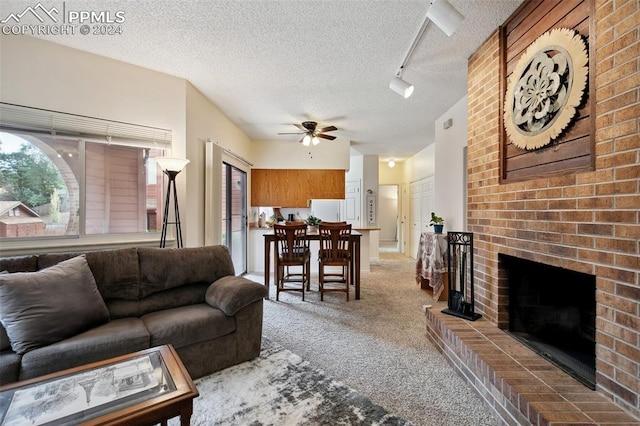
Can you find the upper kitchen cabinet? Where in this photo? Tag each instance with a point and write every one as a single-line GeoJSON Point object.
{"type": "Point", "coordinates": [295, 187]}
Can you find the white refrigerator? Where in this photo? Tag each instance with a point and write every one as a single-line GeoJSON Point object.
{"type": "Point", "coordinates": [327, 210]}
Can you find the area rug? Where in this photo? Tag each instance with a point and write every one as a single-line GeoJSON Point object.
{"type": "Point", "coordinates": [280, 388]}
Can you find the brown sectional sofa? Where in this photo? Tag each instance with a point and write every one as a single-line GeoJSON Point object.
{"type": "Point", "coordinates": [187, 297]}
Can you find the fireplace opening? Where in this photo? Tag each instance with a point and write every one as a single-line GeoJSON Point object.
{"type": "Point", "coordinates": [553, 311]}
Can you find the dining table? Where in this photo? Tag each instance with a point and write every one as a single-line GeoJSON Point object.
{"type": "Point", "coordinates": [354, 268]}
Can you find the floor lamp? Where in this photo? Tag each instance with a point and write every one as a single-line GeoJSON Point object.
{"type": "Point", "coordinates": [171, 167]}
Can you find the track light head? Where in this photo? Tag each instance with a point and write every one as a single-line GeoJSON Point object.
{"type": "Point", "coordinates": [445, 16]}
{"type": "Point", "coordinates": [401, 87]}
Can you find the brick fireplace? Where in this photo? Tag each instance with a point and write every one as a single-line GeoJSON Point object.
{"type": "Point", "coordinates": [553, 311]}
{"type": "Point", "coordinates": [588, 222]}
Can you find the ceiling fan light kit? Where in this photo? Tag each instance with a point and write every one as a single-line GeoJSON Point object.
{"type": "Point", "coordinates": [311, 133]}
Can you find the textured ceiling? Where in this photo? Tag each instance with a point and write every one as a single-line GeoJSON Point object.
{"type": "Point", "coordinates": [268, 64]}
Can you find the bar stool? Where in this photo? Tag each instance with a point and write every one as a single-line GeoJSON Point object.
{"type": "Point", "coordinates": [292, 250]}
{"type": "Point", "coordinates": [335, 251]}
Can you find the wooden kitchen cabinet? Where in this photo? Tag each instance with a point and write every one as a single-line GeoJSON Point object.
{"type": "Point", "coordinates": [295, 187]}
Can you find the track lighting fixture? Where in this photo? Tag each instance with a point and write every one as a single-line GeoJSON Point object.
{"type": "Point", "coordinates": [401, 87]}
{"type": "Point", "coordinates": [447, 18]}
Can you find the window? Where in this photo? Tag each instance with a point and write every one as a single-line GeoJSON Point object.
{"type": "Point", "coordinates": [54, 185]}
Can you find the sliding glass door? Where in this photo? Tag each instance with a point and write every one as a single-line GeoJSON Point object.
{"type": "Point", "coordinates": [234, 215]}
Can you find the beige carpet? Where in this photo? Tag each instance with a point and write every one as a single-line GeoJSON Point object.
{"type": "Point", "coordinates": [377, 345]}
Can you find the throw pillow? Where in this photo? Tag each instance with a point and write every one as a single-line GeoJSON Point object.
{"type": "Point", "coordinates": [44, 307]}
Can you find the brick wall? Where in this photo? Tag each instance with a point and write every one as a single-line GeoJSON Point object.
{"type": "Point", "coordinates": [587, 222]}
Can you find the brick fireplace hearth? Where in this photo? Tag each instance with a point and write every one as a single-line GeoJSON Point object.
{"type": "Point", "coordinates": [581, 221]}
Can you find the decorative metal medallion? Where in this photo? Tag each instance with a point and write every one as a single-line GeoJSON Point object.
{"type": "Point", "coordinates": [545, 88]}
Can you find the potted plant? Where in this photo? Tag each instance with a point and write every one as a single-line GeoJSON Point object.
{"type": "Point", "coordinates": [312, 222]}
{"type": "Point", "coordinates": [437, 222]}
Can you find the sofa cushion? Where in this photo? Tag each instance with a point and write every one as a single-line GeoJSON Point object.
{"type": "Point", "coordinates": [115, 271]}
{"type": "Point", "coordinates": [9, 367]}
{"type": "Point", "coordinates": [4, 339]}
{"type": "Point", "coordinates": [43, 307]}
{"type": "Point", "coordinates": [112, 339]}
{"type": "Point", "coordinates": [188, 294]}
{"type": "Point", "coordinates": [19, 264]}
{"type": "Point", "coordinates": [230, 294]}
{"type": "Point", "coordinates": [187, 325]}
{"type": "Point", "coordinates": [165, 268]}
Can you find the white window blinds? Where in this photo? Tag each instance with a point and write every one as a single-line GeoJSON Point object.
{"type": "Point", "coordinates": [34, 120]}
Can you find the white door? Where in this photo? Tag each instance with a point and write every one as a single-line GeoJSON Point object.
{"type": "Point", "coordinates": [352, 203]}
{"type": "Point", "coordinates": [414, 190]}
{"type": "Point", "coordinates": [404, 219]}
{"type": "Point", "coordinates": [422, 193]}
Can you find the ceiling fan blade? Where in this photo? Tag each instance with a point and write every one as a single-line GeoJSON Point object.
{"type": "Point", "coordinates": [301, 127]}
{"type": "Point", "coordinates": [320, 135]}
{"type": "Point", "coordinates": [328, 129]}
{"type": "Point", "coordinates": [293, 133]}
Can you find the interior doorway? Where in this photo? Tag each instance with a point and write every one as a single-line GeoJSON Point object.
{"type": "Point", "coordinates": [388, 218]}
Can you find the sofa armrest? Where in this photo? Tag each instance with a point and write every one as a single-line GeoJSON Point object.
{"type": "Point", "coordinates": [231, 293]}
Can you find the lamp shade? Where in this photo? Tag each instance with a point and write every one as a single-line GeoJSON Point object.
{"type": "Point", "coordinates": [445, 16]}
{"type": "Point", "coordinates": [171, 164]}
{"type": "Point", "coordinates": [306, 140]}
{"type": "Point", "coordinates": [401, 87]}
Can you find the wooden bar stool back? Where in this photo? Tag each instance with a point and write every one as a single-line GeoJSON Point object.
{"type": "Point", "coordinates": [335, 251]}
{"type": "Point", "coordinates": [292, 251]}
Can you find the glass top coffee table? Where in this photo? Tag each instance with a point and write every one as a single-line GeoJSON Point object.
{"type": "Point", "coordinates": [146, 387]}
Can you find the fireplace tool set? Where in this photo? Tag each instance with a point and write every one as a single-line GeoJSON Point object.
{"type": "Point", "coordinates": [460, 275]}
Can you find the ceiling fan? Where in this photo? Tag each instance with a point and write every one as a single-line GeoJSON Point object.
{"type": "Point", "coordinates": [312, 133]}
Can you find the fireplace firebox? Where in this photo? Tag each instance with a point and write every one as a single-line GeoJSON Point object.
{"type": "Point", "coordinates": [553, 311]}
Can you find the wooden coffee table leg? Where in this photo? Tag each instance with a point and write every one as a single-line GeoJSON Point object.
{"type": "Point", "coordinates": [185, 413]}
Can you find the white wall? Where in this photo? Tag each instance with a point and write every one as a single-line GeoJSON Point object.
{"type": "Point", "coordinates": [443, 160]}
{"type": "Point", "coordinates": [390, 175]}
{"type": "Point", "coordinates": [421, 165]}
{"type": "Point", "coordinates": [46, 75]}
{"type": "Point", "coordinates": [450, 171]}
{"type": "Point", "coordinates": [388, 212]}
{"type": "Point", "coordinates": [275, 154]}
{"type": "Point", "coordinates": [205, 121]}
{"type": "Point", "coordinates": [356, 167]}
{"type": "Point", "coordinates": [43, 74]}
{"type": "Point", "coordinates": [370, 174]}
